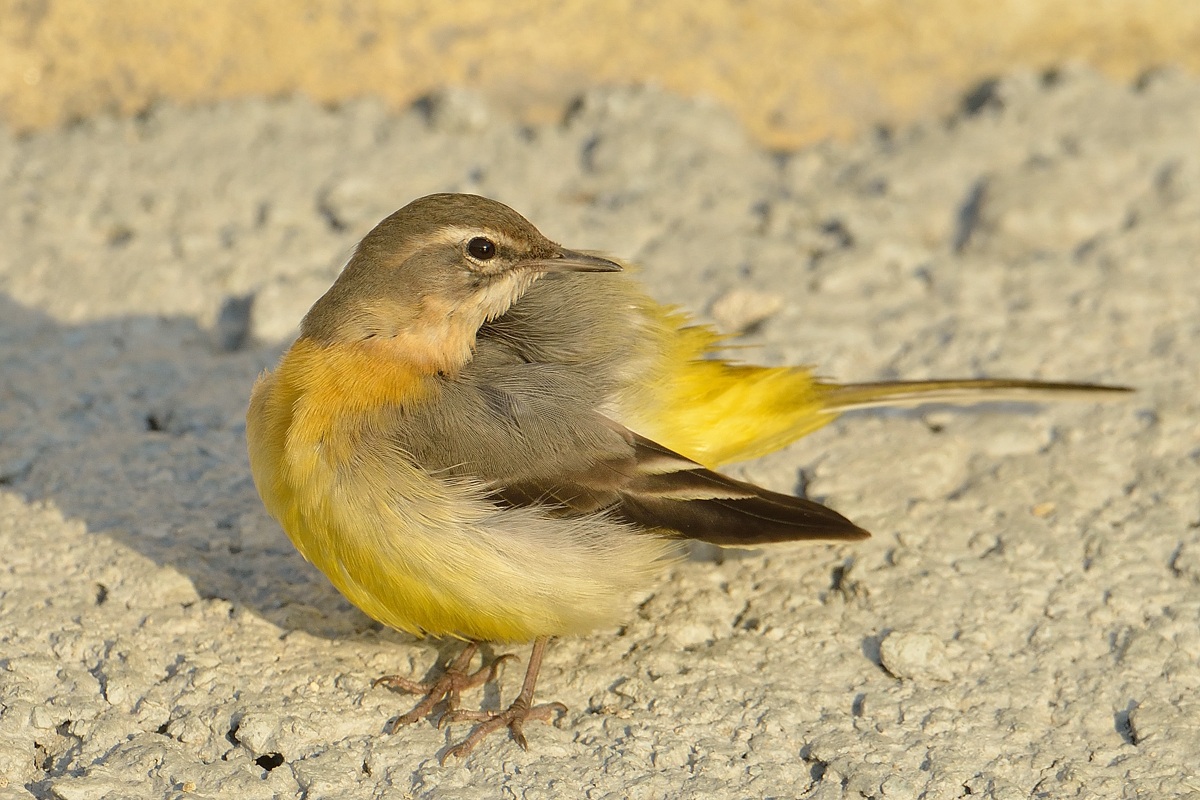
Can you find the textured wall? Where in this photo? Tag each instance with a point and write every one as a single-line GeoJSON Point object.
{"type": "Point", "coordinates": [794, 70]}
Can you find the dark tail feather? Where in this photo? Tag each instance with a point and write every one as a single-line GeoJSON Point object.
{"type": "Point", "coordinates": [837, 398]}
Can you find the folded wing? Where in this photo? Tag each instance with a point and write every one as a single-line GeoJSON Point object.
{"type": "Point", "coordinates": [656, 488]}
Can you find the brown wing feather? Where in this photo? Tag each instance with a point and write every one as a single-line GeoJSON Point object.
{"type": "Point", "coordinates": [702, 504]}
{"type": "Point", "coordinates": [656, 488]}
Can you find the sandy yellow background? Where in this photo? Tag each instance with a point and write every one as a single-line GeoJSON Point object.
{"type": "Point", "coordinates": [794, 70]}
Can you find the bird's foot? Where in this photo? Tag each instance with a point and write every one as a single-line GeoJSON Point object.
{"type": "Point", "coordinates": [514, 718]}
{"type": "Point", "coordinates": [447, 687]}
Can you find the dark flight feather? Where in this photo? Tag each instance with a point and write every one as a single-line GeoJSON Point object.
{"type": "Point", "coordinates": [658, 489]}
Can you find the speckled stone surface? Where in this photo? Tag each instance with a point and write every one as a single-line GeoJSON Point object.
{"type": "Point", "coordinates": [1024, 623]}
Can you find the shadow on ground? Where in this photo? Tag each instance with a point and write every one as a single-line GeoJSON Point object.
{"type": "Point", "coordinates": [135, 425]}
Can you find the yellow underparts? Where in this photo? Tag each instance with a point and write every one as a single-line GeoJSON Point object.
{"type": "Point", "coordinates": [415, 552]}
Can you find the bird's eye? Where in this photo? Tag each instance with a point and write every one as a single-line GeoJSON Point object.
{"type": "Point", "coordinates": [481, 249]}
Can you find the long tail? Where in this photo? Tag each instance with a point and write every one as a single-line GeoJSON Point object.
{"type": "Point", "coordinates": [836, 398]}
{"type": "Point", "coordinates": [714, 412]}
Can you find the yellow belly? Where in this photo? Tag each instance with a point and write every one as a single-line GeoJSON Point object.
{"type": "Point", "coordinates": [415, 552]}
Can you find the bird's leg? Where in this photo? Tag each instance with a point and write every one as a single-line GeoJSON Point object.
{"type": "Point", "coordinates": [514, 717]}
{"type": "Point", "coordinates": [448, 686]}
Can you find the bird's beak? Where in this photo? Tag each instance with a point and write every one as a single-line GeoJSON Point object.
{"type": "Point", "coordinates": [573, 261]}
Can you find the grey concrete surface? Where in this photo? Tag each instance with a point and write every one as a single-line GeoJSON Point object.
{"type": "Point", "coordinates": [1024, 623]}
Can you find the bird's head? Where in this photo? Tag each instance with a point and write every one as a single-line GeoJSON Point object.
{"type": "Point", "coordinates": [427, 277]}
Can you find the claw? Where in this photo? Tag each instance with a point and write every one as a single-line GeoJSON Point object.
{"type": "Point", "coordinates": [514, 717]}
{"type": "Point", "coordinates": [447, 687]}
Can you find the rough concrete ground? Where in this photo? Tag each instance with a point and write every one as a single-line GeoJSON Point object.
{"type": "Point", "coordinates": [1025, 622]}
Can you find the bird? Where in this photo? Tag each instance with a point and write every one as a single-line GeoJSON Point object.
{"type": "Point", "coordinates": [482, 435]}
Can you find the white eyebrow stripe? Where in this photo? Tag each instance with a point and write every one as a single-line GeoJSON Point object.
{"type": "Point", "coordinates": [457, 234]}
